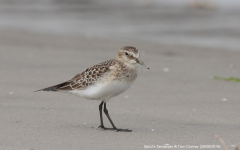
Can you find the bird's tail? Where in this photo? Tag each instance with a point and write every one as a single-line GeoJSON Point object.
{"type": "Point", "coordinates": [55, 87]}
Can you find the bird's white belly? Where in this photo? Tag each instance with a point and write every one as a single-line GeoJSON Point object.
{"type": "Point", "coordinates": [102, 91]}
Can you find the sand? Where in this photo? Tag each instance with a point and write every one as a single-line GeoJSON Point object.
{"type": "Point", "coordinates": [176, 102]}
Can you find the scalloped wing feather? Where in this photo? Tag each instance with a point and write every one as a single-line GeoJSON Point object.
{"type": "Point", "coordinates": [84, 79]}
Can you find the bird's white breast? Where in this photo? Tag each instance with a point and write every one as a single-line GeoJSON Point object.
{"type": "Point", "coordinates": [103, 90]}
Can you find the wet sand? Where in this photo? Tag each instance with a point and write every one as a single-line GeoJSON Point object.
{"type": "Point", "coordinates": [180, 105]}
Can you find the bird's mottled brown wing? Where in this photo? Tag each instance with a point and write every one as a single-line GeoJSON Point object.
{"type": "Point", "coordinates": [84, 79]}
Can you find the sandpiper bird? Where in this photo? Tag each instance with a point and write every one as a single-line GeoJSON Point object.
{"type": "Point", "coordinates": [104, 81]}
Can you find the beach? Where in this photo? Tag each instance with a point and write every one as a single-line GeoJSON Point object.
{"type": "Point", "coordinates": [175, 103]}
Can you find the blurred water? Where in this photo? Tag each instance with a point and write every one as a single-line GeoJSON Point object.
{"type": "Point", "coordinates": [221, 4]}
{"type": "Point", "coordinates": [160, 21]}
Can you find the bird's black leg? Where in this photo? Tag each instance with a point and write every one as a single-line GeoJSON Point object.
{"type": "Point", "coordinates": [101, 119]}
{"type": "Point", "coordinates": [114, 127]}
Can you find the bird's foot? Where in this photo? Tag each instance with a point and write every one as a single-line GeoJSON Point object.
{"type": "Point", "coordinates": [123, 130]}
{"type": "Point", "coordinates": [115, 129]}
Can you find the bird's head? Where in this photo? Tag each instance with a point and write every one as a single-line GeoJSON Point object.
{"type": "Point", "coordinates": [130, 56]}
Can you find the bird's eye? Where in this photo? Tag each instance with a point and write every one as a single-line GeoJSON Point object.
{"type": "Point", "coordinates": [126, 53]}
